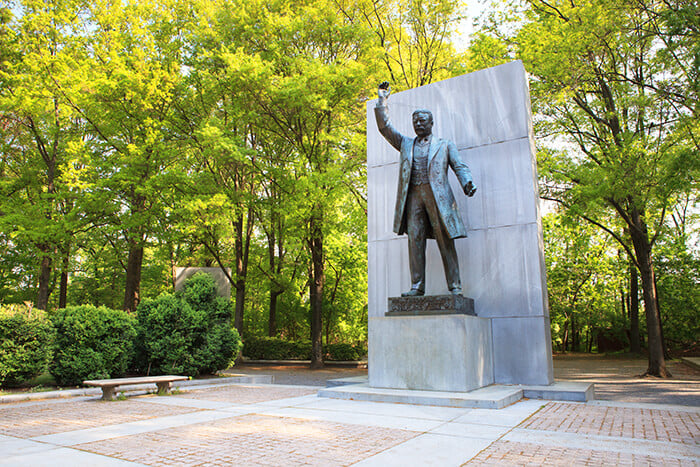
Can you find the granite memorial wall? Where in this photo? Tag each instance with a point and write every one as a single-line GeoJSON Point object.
{"type": "Point", "coordinates": [487, 114]}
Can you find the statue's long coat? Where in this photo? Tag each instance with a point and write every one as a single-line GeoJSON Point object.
{"type": "Point", "coordinates": [441, 154]}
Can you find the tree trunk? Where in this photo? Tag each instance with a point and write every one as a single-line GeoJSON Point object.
{"type": "Point", "coordinates": [274, 292]}
{"type": "Point", "coordinates": [242, 246]}
{"type": "Point", "coordinates": [63, 286]}
{"type": "Point", "coordinates": [316, 290]}
{"type": "Point", "coordinates": [42, 298]}
{"type": "Point", "coordinates": [635, 345]}
{"type": "Point", "coordinates": [132, 290]}
{"type": "Point", "coordinates": [642, 249]}
{"type": "Point", "coordinates": [661, 322]}
{"type": "Point", "coordinates": [272, 322]}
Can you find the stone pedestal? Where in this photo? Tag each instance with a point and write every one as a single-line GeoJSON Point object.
{"type": "Point", "coordinates": [430, 305]}
{"type": "Point", "coordinates": [445, 350]}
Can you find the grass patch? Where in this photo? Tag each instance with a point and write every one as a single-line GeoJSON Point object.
{"type": "Point", "coordinates": [42, 383]}
{"type": "Point", "coordinates": [44, 379]}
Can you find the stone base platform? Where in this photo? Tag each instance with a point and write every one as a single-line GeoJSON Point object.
{"type": "Point", "coordinates": [495, 396]}
{"type": "Point", "coordinates": [490, 397]}
{"type": "Point", "coordinates": [573, 391]}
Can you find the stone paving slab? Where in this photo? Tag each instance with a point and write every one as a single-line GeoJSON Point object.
{"type": "Point", "coordinates": [694, 362]}
{"type": "Point", "coordinates": [244, 394]}
{"type": "Point", "coordinates": [281, 425]}
{"type": "Point", "coordinates": [72, 438]}
{"type": "Point", "coordinates": [604, 443]}
{"type": "Point", "coordinates": [429, 449]}
{"type": "Point", "coordinates": [513, 453]}
{"type": "Point", "coordinates": [51, 456]}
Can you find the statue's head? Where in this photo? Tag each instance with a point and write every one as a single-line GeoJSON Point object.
{"type": "Point", "coordinates": [423, 122]}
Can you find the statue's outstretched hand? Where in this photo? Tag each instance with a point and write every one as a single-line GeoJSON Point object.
{"type": "Point", "coordinates": [469, 189]}
{"type": "Point", "coordinates": [384, 91]}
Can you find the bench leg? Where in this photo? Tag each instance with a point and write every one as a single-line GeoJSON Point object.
{"type": "Point", "coordinates": [108, 393]}
{"type": "Point", "coordinates": [164, 387]}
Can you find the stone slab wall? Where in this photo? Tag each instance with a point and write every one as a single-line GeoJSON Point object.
{"type": "Point", "coordinates": [487, 115]}
{"type": "Point", "coordinates": [223, 286]}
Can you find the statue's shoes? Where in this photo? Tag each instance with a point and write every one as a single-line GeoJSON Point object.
{"type": "Point", "coordinates": [413, 293]}
{"type": "Point", "coordinates": [456, 291]}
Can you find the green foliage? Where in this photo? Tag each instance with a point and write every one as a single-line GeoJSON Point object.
{"type": "Point", "coordinates": [91, 343]}
{"type": "Point", "coordinates": [584, 276]}
{"type": "Point", "coordinates": [188, 332]}
{"type": "Point", "coordinates": [343, 352]}
{"type": "Point", "coordinates": [26, 338]}
{"type": "Point", "coordinates": [274, 348]}
{"type": "Point", "coordinates": [678, 283]}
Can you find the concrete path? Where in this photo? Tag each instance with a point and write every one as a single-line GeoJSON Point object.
{"type": "Point", "coordinates": [280, 425]}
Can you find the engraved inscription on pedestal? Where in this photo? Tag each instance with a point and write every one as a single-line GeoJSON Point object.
{"type": "Point", "coordinates": [430, 305]}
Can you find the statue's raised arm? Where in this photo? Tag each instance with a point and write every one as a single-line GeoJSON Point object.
{"type": "Point", "coordinates": [382, 115]}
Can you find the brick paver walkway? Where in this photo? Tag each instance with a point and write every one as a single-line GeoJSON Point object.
{"type": "Point", "coordinates": [254, 440]}
{"type": "Point", "coordinates": [508, 453]}
{"type": "Point", "coordinates": [607, 429]}
{"type": "Point", "coordinates": [648, 424]}
{"type": "Point", "coordinates": [36, 419]}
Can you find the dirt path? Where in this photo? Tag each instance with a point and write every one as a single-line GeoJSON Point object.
{"type": "Point", "coordinates": [617, 378]}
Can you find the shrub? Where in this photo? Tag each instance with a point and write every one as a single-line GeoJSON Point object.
{"type": "Point", "coordinates": [91, 343]}
{"type": "Point", "coordinates": [26, 337]}
{"type": "Point", "coordinates": [343, 352]}
{"type": "Point", "coordinates": [188, 332]}
{"type": "Point", "coordinates": [274, 348]}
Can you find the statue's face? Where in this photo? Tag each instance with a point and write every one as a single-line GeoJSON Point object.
{"type": "Point", "coordinates": [422, 124]}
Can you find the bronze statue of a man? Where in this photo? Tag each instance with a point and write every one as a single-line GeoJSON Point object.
{"type": "Point", "coordinates": [425, 205]}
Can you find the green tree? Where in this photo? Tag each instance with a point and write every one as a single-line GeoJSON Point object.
{"type": "Point", "coordinates": [301, 69]}
{"type": "Point", "coordinates": [583, 282]}
{"type": "Point", "coordinates": [42, 44]}
{"type": "Point", "coordinates": [416, 37]}
{"type": "Point", "coordinates": [595, 66]}
{"type": "Point", "coordinates": [129, 83]}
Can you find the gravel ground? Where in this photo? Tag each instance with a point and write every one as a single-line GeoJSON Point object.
{"type": "Point", "coordinates": [616, 378]}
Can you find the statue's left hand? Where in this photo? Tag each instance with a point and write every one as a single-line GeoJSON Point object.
{"type": "Point", "coordinates": [469, 189]}
{"type": "Point", "coordinates": [383, 91]}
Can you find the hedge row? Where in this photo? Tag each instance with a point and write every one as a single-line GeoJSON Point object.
{"type": "Point", "coordinates": [25, 343]}
{"type": "Point", "coordinates": [274, 348]}
{"type": "Point", "coordinates": [187, 333]}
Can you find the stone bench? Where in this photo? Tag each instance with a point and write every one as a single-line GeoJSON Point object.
{"type": "Point", "coordinates": [108, 386]}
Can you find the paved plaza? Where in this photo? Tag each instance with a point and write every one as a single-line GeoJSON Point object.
{"type": "Point", "coordinates": [283, 424]}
